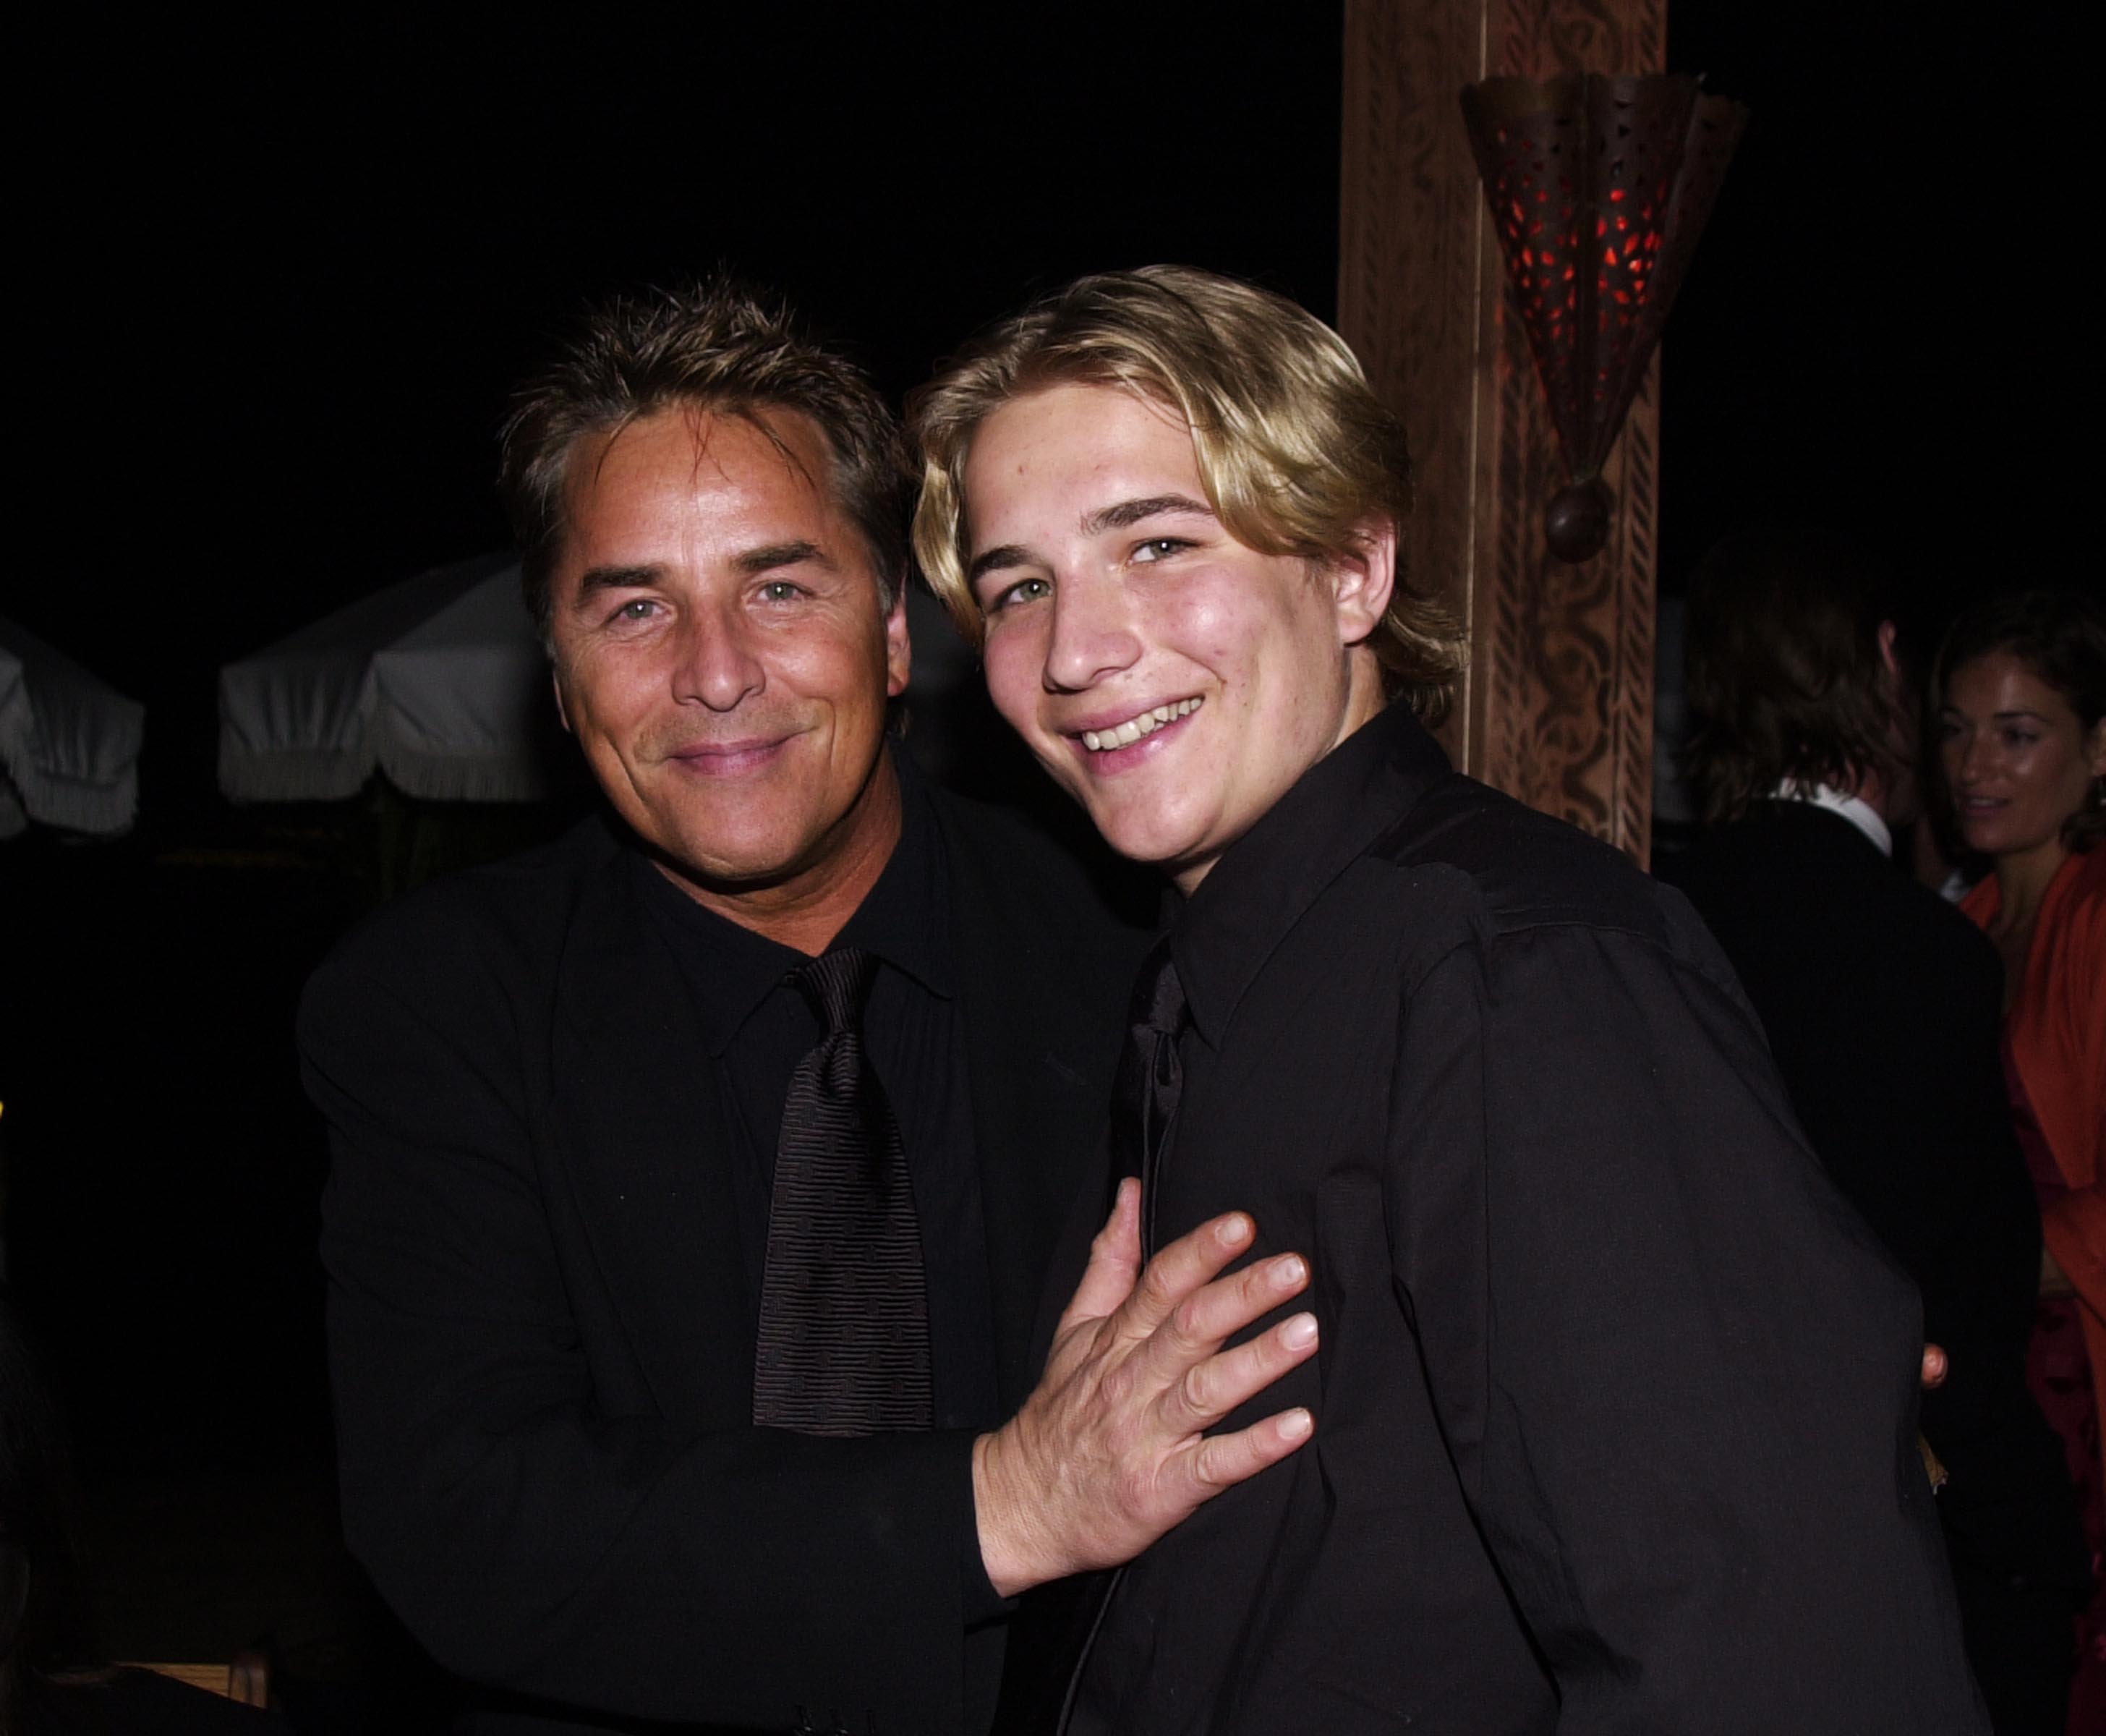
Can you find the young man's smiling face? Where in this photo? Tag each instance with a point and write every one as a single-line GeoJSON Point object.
{"type": "Point", "coordinates": [723, 658]}
{"type": "Point", "coordinates": [1174, 680]}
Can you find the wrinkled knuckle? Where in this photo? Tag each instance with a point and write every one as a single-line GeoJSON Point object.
{"type": "Point", "coordinates": [1210, 1466]}
{"type": "Point", "coordinates": [1195, 1390]}
{"type": "Point", "coordinates": [1155, 1287]}
{"type": "Point", "coordinates": [1135, 1490]}
{"type": "Point", "coordinates": [1185, 1328]}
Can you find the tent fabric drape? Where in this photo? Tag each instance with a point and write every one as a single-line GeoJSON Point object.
{"type": "Point", "coordinates": [439, 681]}
{"type": "Point", "coordinates": [69, 744]}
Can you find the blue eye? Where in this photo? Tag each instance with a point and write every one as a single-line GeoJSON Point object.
{"type": "Point", "coordinates": [1160, 548]}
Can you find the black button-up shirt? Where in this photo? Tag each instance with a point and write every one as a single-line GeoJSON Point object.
{"type": "Point", "coordinates": [1614, 1398]}
{"type": "Point", "coordinates": [757, 1026]}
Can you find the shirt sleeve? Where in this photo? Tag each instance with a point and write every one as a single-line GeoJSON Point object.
{"type": "Point", "coordinates": [1678, 1376]}
{"type": "Point", "coordinates": [534, 1537]}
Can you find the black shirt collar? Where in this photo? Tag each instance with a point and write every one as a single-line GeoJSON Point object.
{"type": "Point", "coordinates": [902, 920]}
{"type": "Point", "coordinates": [1266, 880]}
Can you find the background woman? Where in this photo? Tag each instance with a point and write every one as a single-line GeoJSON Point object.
{"type": "Point", "coordinates": [2020, 689]}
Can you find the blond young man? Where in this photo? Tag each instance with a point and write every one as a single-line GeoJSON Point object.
{"type": "Point", "coordinates": [1614, 1398]}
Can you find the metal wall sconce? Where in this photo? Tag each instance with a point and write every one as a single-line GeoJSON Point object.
{"type": "Point", "coordinates": [1599, 188]}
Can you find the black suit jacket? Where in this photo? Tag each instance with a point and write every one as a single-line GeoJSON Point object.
{"type": "Point", "coordinates": [540, 1334]}
{"type": "Point", "coordinates": [1883, 1006]}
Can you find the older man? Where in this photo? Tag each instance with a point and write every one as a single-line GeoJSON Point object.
{"type": "Point", "coordinates": [695, 1179]}
{"type": "Point", "coordinates": [1616, 1401]}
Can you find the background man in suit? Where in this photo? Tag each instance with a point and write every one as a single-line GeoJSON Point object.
{"type": "Point", "coordinates": [1882, 1005]}
{"type": "Point", "coordinates": [648, 1407]}
{"type": "Point", "coordinates": [1616, 1402]}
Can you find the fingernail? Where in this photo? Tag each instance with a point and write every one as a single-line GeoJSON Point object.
{"type": "Point", "coordinates": [1296, 1425]}
{"type": "Point", "coordinates": [1299, 1333]}
{"type": "Point", "coordinates": [1292, 1270]}
{"type": "Point", "coordinates": [1234, 1230]}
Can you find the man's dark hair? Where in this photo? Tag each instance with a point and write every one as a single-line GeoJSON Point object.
{"type": "Point", "coordinates": [2061, 637]}
{"type": "Point", "coordinates": [716, 347]}
{"type": "Point", "coordinates": [1786, 684]}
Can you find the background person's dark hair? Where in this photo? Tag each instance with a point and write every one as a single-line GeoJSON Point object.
{"type": "Point", "coordinates": [2060, 636]}
{"type": "Point", "coordinates": [1786, 684]}
{"type": "Point", "coordinates": [717, 346]}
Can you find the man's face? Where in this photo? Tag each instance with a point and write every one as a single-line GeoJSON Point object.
{"type": "Point", "coordinates": [720, 651]}
{"type": "Point", "coordinates": [1175, 681]}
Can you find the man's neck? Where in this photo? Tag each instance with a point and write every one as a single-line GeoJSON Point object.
{"type": "Point", "coordinates": [1860, 801]}
{"type": "Point", "coordinates": [807, 908]}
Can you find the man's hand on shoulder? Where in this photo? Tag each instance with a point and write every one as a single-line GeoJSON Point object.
{"type": "Point", "coordinates": [1110, 1451]}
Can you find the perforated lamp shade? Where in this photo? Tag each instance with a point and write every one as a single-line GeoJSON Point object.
{"type": "Point", "coordinates": [1599, 188]}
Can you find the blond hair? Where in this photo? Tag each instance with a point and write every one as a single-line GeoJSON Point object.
{"type": "Point", "coordinates": [1295, 452]}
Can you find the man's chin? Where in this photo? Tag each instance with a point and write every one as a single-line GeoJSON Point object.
{"type": "Point", "coordinates": [730, 874]}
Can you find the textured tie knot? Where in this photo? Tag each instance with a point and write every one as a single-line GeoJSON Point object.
{"type": "Point", "coordinates": [836, 984]}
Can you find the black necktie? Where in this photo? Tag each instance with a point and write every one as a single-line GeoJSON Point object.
{"type": "Point", "coordinates": [1150, 1078]}
{"type": "Point", "coordinates": [844, 1342]}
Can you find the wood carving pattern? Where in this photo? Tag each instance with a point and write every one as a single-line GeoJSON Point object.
{"type": "Point", "coordinates": [1557, 708]}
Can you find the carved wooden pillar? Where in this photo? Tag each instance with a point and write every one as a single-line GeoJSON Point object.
{"type": "Point", "coordinates": [1557, 706]}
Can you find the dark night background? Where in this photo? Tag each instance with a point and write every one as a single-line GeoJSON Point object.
{"type": "Point", "coordinates": [276, 276]}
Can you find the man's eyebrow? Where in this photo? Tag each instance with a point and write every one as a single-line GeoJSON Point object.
{"type": "Point", "coordinates": [1009, 554]}
{"type": "Point", "coordinates": [765, 559]}
{"type": "Point", "coordinates": [771, 555]}
{"type": "Point", "coordinates": [617, 578]}
{"type": "Point", "coordinates": [1119, 516]}
{"type": "Point", "coordinates": [1123, 514]}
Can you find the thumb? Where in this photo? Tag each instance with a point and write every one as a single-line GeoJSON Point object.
{"type": "Point", "coordinates": [1114, 1267]}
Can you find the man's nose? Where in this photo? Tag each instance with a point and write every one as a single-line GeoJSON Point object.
{"type": "Point", "coordinates": [716, 666]}
{"type": "Point", "coordinates": [1093, 634]}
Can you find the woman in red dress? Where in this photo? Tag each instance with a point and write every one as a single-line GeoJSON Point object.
{"type": "Point", "coordinates": [2020, 688]}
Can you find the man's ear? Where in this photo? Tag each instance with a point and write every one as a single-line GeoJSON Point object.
{"type": "Point", "coordinates": [898, 646]}
{"type": "Point", "coordinates": [1364, 580]}
{"type": "Point", "coordinates": [562, 711]}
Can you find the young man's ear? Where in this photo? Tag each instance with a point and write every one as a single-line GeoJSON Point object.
{"type": "Point", "coordinates": [1364, 580]}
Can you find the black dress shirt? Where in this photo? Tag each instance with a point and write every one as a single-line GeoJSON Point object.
{"type": "Point", "coordinates": [1615, 1398]}
{"type": "Point", "coordinates": [757, 1026]}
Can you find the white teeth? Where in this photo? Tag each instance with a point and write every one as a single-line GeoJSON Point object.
{"type": "Point", "coordinates": [1147, 722]}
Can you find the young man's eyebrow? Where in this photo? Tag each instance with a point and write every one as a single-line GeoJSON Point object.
{"type": "Point", "coordinates": [1118, 515]}
{"type": "Point", "coordinates": [1124, 513]}
{"type": "Point", "coordinates": [1009, 554]}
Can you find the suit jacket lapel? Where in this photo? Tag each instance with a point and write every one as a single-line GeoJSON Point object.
{"type": "Point", "coordinates": [644, 1127]}
{"type": "Point", "coordinates": [1039, 987]}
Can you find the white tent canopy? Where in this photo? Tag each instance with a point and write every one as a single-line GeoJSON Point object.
{"type": "Point", "coordinates": [69, 744]}
{"type": "Point", "coordinates": [439, 682]}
